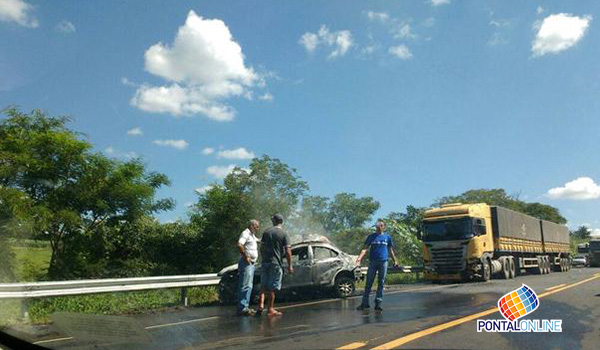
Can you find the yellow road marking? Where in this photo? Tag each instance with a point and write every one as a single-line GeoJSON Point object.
{"type": "Point", "coordinates": [408, 338]}
{"type": "Point", "coordinates": [558, 286]}
{"type": "Point", "coordinates": [352, 346]}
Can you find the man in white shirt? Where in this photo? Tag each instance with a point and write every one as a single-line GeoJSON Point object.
{"type": "Point", "coordinates": [248, 245]}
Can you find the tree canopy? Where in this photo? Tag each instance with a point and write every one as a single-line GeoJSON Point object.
{"type": "Point", "coordinates": [499, 197]}
{"type": "Point", "coordinates": [71, 191]}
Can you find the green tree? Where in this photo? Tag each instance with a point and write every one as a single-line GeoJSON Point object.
{"type": "Point", "coordinates": [74, 193]}
{"type": "Point", "coordinates": [582, 233]}
{"type": "Point", "coordinates": [347, 211]}
{"type": "Point", "coordinates": [269, 187]}
{"type": "Point", "coordinates": [499, 197]}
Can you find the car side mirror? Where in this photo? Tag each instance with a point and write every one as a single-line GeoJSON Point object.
{"type": "Point", "coordinates": [419, 234]}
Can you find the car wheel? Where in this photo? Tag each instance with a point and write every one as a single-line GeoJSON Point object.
{"type": "Point", "coordinates": [344, 286]}
{"type": "Point", "coordinates": [227, 289]}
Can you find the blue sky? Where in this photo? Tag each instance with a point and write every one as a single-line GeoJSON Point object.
{"type": "Point", "coordinates": [405, 101]}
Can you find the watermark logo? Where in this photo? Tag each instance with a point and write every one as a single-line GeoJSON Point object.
{"type": "Point", "coordinates": [514, 305]}
{"type": "Point", "coordinates": [518, 303]}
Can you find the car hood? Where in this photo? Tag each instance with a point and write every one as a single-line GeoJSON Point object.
{"type": "Point", "coordinates": [227, 269]}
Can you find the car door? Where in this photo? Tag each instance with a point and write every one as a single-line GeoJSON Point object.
{"type": "Point", "coordinates": [326, 264]}
{"type": "Point", "coordinates": [302, 263]}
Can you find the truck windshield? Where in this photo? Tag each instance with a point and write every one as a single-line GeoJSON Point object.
{"type": "Point", "coordinates": [448, 229]}
{"type": "Point", "coordinates": [595, 246]}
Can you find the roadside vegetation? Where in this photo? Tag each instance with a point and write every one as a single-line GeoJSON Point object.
{"type": "Point", "coordinates": [68, 212]}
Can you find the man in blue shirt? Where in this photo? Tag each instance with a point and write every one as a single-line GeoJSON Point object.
{"type": "Point", "coordinates": [379, 243]}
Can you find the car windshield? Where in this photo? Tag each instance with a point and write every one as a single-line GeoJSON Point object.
{"type": "Point", "coordinates": [159, 157]}
{"type": "Point", "coordinates": [445, 230]}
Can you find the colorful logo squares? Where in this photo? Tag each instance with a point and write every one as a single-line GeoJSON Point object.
{"type": "Point", "coordinates": [518, 303]}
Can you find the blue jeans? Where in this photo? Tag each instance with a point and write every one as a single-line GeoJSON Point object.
{"type": "Point", "coordinates": [245, 282]}
{"type": "Point", "coordinates": [379, 267]}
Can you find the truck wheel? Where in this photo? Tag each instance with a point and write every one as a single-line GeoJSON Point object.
{"type": "Point", "coordinates": [486, 270]}
{"type": "Point", "coordinates": [539, 270]}
{"type": "Point", "coordinates": [344, 286]}
{"type": "Point", "coordinates": [505, 273]}
{"type": "Point", "coordinates": [511, 267]}
{"type": "Point", "coordinates": [548, 265]}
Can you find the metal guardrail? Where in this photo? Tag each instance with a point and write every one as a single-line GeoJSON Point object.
{"type": "Point", "coordinates": [399, 269]}
{"type": "Point", "coordinates": [78, 287]}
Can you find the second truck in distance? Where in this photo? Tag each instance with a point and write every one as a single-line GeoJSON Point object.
{"type": "Point", "coordinates": [478, 241]}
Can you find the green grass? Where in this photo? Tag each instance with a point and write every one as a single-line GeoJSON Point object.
{"type": "Point", "coordinates": [395, 278]}
{"type": "Point", "coordinates": [31, 262]}
{"type": "Point", "coordinates": [40, 309]}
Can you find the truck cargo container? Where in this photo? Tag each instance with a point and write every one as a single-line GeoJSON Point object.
{"type": "Point", "coordinates": [479, 241]}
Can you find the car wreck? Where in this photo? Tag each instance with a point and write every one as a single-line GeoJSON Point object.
{"type": "Point", "coordinates": [318, 264]}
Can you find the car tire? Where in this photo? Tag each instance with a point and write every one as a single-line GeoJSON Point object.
{"type": "Point", "coordinates": [344, 286]}
{"type": "Point", "coordinates": [227, 289]}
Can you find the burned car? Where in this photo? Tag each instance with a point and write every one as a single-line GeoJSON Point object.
{"type": "Point", "coordinates": [317, 264]}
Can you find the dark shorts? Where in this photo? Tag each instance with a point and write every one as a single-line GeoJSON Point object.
{"type": "Point", "coordinates": [270, 276]}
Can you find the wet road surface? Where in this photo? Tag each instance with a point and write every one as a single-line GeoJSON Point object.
{"type": "Point", "coordinates": [408, 309]}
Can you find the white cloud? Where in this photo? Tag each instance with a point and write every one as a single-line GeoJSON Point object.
{"type": "Point", "coordinates": [203, 189]}
{"type": "Point", "coordinates": [266, 97]}
{"type": "Point", "coordinates": [208, 151]}
{"type": "Point", "coordinates": [310, 41]}
{"type": "Point", "coordinates": [429, 22]}
{"type": "Point", "coordinates": [559, 32]}
{"type": "Point", "coordinates": [500, 22]}
{"type": "Point", "coordinates": [113, 152]}
{"type": "Point", "coordinates": [17, 11]}
{"type": "Point", "coordinates": [238, 153]}
{"type": "Point", "coordinates": [539, 9]}
{"type": "Point", "coordinates": [595, 233]}
{"type": "Point", "coordinates": [439, 2]}
{"type": "Point", "coordinates": [128, 82]}
{"type": "Point", "coordinates": [497, 39]}
{"type": "Point", "coordinates": [403, 31]}
{"type": "Point", "coordinates": [220, 172]}
{"type": "Point", "coordinates": [378, 16]}
{"type": "Point", "coordinates": [401, 51]}
{"type": "Point", "coordinates": [340, 41]}
{"type": "Point", "coordinates": [579, 189]}
{"type": "Point", "coordinates": [65, 27]}
{"type": "Point", "coordinates": [178, 144]}
{"type": "Point", "coordinates": [137, 131]}
{"type": "Point", "coordinates": [204, 66]}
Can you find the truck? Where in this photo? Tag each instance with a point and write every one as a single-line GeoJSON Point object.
{"type": "Point", "coordinates": [594, 252]}
{"type": "Point", "coordinates": [583, 249]}
{"type": "Point", "coordinates": [480, 241]}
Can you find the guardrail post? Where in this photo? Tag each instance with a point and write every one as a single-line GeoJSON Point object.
{"type": "Point", "coordinates": [24, 310]}
{"type": "Point", "coordinates": [184, 296]}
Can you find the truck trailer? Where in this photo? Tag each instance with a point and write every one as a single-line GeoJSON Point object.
{"type": "Point", "coordinates": [479, 241]}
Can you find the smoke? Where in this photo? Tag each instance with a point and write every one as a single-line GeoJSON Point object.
{"type": "Point", "coordinates": [302, 226]}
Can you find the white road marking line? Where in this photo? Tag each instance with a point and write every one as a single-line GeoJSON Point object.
{"type": "Point", "coordinates": [182, 322]}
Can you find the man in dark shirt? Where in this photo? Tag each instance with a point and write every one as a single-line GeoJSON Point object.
{"type": "Point", "coordinates": [379, 243]}
{"type": "Point", "coordinates": [274, 244]}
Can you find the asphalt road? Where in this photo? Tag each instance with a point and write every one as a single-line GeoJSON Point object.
{"type": "Point", "coordinates": [421, 316]}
